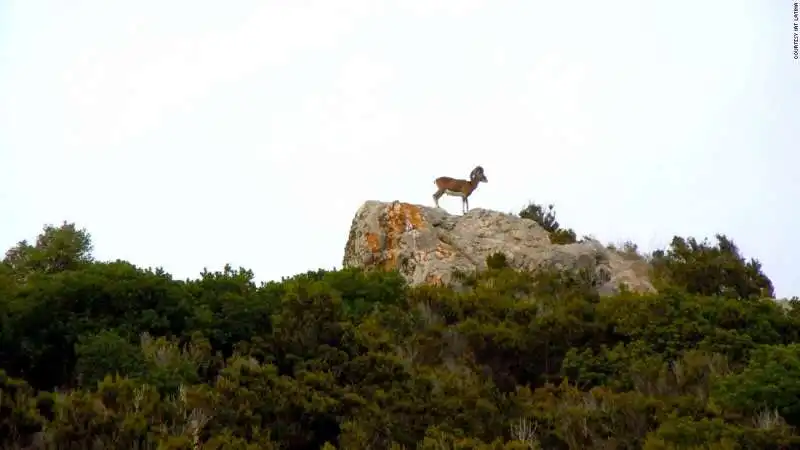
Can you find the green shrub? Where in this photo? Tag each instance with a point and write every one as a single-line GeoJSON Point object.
{"type": "Point", "coordinates": [547, 219]}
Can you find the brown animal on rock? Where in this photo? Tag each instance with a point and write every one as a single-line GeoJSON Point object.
{"type": "Point", "coordinates": [459, 188]}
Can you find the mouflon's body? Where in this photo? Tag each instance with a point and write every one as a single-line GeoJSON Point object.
{"type": "Point", "coordinates": [459, 188]}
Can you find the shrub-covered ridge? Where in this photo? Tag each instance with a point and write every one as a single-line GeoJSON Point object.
{"type": "Point", "coordinates": [109, 355]}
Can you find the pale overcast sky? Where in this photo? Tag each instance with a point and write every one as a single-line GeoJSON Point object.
{"type": "Point", "coordinates": [188, 134]}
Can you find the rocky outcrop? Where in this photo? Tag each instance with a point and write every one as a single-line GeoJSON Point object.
{"type": "Point", "coordinates": [427, 245]}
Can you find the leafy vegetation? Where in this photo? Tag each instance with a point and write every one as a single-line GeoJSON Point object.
{"type": "Point", "coordinates": [108, 355]}
{"type": "Point", "coordinates": [547, 219]}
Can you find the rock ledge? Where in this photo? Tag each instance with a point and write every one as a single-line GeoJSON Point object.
{"type": "Point", "coordinates": [427, 245]}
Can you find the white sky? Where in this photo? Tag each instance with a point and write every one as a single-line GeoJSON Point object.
{"type": "Point", "coordinates": [187, 134]}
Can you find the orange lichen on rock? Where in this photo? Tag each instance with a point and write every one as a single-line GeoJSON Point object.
{"type": "Point", "coordinates": [402, 215]}
{"type": "Point", "coordinates": [443, 251]}
{"type": "Point", "coordinates": [399, 218]}
{"type": "Point", "coordinates": [373, 242]}
{"type": "Point", "coordinates": [434, 279]}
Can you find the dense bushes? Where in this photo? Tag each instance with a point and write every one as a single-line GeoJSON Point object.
{"type": "Point", "coordinates": [700, 268]}
{"type": "Point", "coordinates": [107, 355]}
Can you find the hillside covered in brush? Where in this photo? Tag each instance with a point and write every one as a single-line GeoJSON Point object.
{"type": "Point", "coordinates": [107, 355]}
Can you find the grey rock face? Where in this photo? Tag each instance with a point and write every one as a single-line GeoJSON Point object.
{"type": "Point", "coordinates": [427, 245]}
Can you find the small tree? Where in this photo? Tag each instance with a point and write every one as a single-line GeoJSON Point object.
{"type": "Point", "coordinates": [705, 269]}
{"type": "Point", "coordinates": [57, 249]}
{"type": "Point", "coordinates": [547, 219]}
